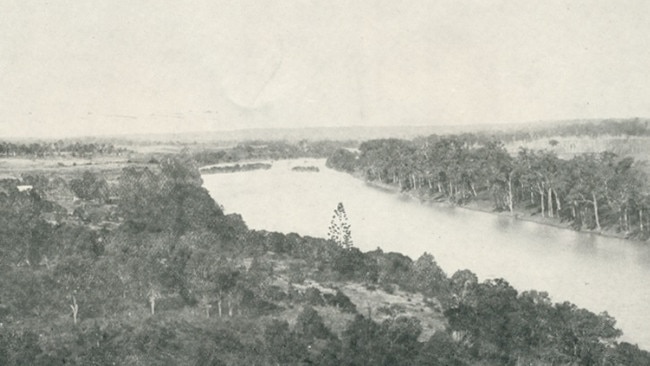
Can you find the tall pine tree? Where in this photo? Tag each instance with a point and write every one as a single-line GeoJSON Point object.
{"type": "Point", "coordinates": [339, 229]}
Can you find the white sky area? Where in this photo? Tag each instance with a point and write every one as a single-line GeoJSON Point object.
{"type": "Point", "coordinates": [72, 67]}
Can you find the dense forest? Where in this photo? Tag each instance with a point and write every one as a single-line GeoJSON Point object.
{"type": "Point", "coordinates": [148, 270]}
{"type": "Point", "coordinates": [589, 191]}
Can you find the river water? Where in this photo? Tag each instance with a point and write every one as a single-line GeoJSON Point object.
{"type": "Point", "coordinates": [594, 272]}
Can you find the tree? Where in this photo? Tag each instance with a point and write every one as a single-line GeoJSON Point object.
{"type": "Point", "coordinates": [590, 184]}
{"type": "Point", "coordinates": [621, 189]}
{"type": "Point", "coordinates": [213, 279]}
{"type": "Point", "coordinates": [310, 326]}
{"type": "Point", "coordinates": [462, 283]}
{"type": "Point", "coordinates": [91, 186]}
{"type": "Point", "coordinates": [339, 229]}
{"type": "Point", "coordinates": [152, 295]}
{"type": "Point", "coordinates": [361, 343]}
{"type": "Point", "coordinates": [400, 340]}
{"type": "Point", "coordinates": [75, 309]}
{"type": "Point", "coordinates": [440, 350]}
{"type": "Point", "coordinates": [283, 345]}
{"type": "Point", "coordinates": [172, 200]}
{"type": "Point", "coordinates": [483, 323]}
{"type": "Point", "coordinates": [343, 160]}
{"type": "Point", "coordinates": [203, 271]}
{"type": "Point", "coordinates": [180, 169]}
{"type": "Point", "coordinates": [429, 277]}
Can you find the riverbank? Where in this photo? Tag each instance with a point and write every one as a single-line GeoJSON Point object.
{"type": "Point", "coordinates": [486, 206]}
{"type": "Point", "coordinates": [593, 272]}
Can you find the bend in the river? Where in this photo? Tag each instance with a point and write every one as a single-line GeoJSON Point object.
{"type": "Point", "coordinates": [595, 272]}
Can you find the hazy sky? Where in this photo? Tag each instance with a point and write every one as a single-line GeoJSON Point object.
{"type": "Point", "coordinates": [72, 67]}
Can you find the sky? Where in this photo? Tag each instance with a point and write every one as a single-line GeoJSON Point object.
{"type": "Point", "coordinates": [70, 67]}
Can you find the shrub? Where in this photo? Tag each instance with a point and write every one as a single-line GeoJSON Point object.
{"type": "Point", "coordinates": [314, 297]}
{"type": "Point", "coordinates": [341, 301]}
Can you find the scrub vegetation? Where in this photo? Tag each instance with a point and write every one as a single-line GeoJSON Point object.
{"type": "Point", "coordinates": [146, 269]}
{"type": "Point", "coordinates": [139, 266]}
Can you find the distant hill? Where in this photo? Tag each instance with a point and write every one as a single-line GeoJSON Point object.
{"type": "Point", "coordinates": [355, 133]}
{"type": "Point", "coordinates": [360, 133]}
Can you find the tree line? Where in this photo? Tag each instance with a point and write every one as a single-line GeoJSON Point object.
{"type": "Point", "coordinates": [57, 148]}
{"type": "Point", "coordinates": [608, 127]}
{"type": "Point", "coordinates": [589, 191]}
{"type": "Point", "coordinates": [269, 150]}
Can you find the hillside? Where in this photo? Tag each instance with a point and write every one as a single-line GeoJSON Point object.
{"type": "Point", "coordinates": [145, 269]}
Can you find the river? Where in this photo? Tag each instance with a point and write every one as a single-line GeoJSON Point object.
{"type": "Point", "coordinates": [594, 272]}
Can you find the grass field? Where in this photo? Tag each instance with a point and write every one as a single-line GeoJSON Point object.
{"type": "Point", "coordinates": [567, 147]}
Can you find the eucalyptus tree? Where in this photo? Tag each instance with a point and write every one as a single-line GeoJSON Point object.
{"type": "Point", "coordinates": [621, 188]}
{"type": "Point", "coordinates": [433, 164]}
{"type": "Point", "coordinates": [642, 205]}
{"type": "Point", "coordinates": [451, 153]}
{"type": "Point", "coordinates": [497, 169]}
{"type": "Point", "coordinates": [588, 186]}
{"type": "Point", "coordinates": [552, 173]}
{"type": "Point", "coordinates": [524, 165]}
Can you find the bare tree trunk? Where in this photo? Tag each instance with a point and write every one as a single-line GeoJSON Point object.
{"type": "Point", "coordinates": [550, 202]}
{"type": "Point", "coordinates": [471, 185]}
{"type": "Point", "coordinates": [219, 307]}
{"type": "Point", "coordinates": [595, 203]}
{"type": "Point", "coordinates": [541, 201]}
{"type": "Point", "coordinates": [557, 202]}
{"type": "Point", "coordinates": [573, 210]}
{"type": "Point", "coordinates": [153, 296]}
{"type": "Point", "coordinates": [75, 309]}
{"type": "Point", "coordinates": [641, 219]}
{"type": "Point", "coordinates": [206, 303]}
{"type": "Point", "coordinates": [620, 220]}
{"type": "Point", "coordinates": [510, 199]}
